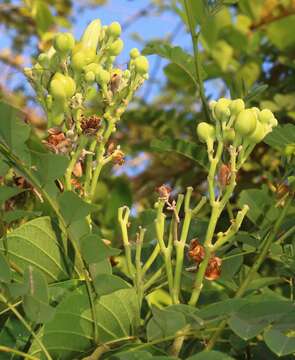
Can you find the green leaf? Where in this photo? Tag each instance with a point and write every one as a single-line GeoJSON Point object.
{"type": "Point", "coordinates": [73, 208]}
{"type": "Point", "coordinates": [13, 215]}
{"type": "Point", "coordinates": [262, 210]}
{"type": "Point", "coordinates": [48, 167]}
{"type": "Point", "coordinates": [43, 16]}
{"type": "Point", "coordinates": [14, 335]}
{"type": "Point", "coordinates": [120, 195]}
{"type": "Point", "coordinates": [165, 323]}
{"type": "Point", "coordinates": [281, 33]}
{"type": "Point", "coordinates": [281, 136]}
{"type": "Point", "coordinates": [190, 150]}
{"type": "Point", "coordinates": [36, 300]}
{"type": "Point", "coordinates": [176, 55]}
{"type": "Point", "coordinates": [249, 320]}
{"type": "Point", "coordinates": [70, 332]}
{"type": "Point", "coordinates": [278, 342]}
{"type": "Point", "coordinates": [246, 329]}
{"type": "Point", "coordinates": [95, 250]}
{"type": "Point", "coordinates": [35, 243]}
{"type": "Point", "coordinates": [5, 273]}
{"type": "Point", "coordinates": [13, 132]}
{"type": "Point", "coordinates": [6, 192]}
{"type": "Point", "coordinates": [210, 355]}
{"type": "Point", "coordinates": [105, 284]}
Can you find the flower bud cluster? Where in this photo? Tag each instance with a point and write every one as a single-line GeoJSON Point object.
{"type": "Point", "coordinates": [75, 78]}
{"type": "Point", "coordinates": [235, 124]}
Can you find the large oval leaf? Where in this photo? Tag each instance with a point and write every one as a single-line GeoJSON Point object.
{"type": "Point", "coordinates": [35, 243]}
{"type": "Point", "coordinates": [70, 333]}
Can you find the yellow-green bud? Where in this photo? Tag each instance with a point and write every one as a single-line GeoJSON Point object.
{"type": "Point", "coordinates": [141, 65]}
{"type": "Point", "coordinates": [229, 135]}
{"type": "Point", "coordinates": [134, 53]}
{"type": "Point", "coordinates": [116, 47]}
{"type": "Point", "coordinates": [236, 106]}
{"type": "Point", "coordinates": [205, 132]}
{"type": "Point", "coordinates": [82, 58]}
{"type": "Point", "coordinates": [114, 29]}
{"type": "Point", "coordinates": [266, 116]}
{"type": "Point", "coordinates": [90, 77]}
{"type": "Point", "coordinates": [64, 42]}
{"type": "Point", "coordinates": [258, 134]}
{"type": "Point", "coordinates": [103, 77]}
{"type": "Point", "coordinates": [246, 122]}
{"type": "Point", "coordinates": [221, 109]}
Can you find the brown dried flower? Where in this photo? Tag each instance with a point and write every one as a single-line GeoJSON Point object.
{"type": "Point", "coordinates": [224, 175]}
{"type": "Point", "coordinates": [118, 157]}
{"type": "Point", "coordinates": [213, 270]}
{"type": "Point", "coordinates": [90, 125]}
{"type": "Point", "coordinates": [164, 191]}
{"type": "Point", "coordinates": [57, 141]}
{"type": "Point", "coordinates": [196, 251]}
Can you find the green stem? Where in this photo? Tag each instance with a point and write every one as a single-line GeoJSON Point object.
{"type": "Point", "coordinates": [68, 175]}
{"type": "Point", "coordinates": [17, 352]}
{"type": "Point", "coordinates": [212, 172]}
{"type": "Point", "coordinates": [89, 166]}
{"type": "Point", "coordinates": [198, 284]}
{"type": "Point", "coordinates": [27, 326]}
{"type": "Point", "coordinates": [99, 156]}
{"type": "Point", "coordinates": [233, 229]}
{"type": "Point", "coordinates": [123, 219]}
{"type": "Point", "coordinates": [195, 41]}
{"type": "Point", "coordinates": [154, 278]}
{"type": "Point", "coordinates": [151, 259]}
{"type": "Point", "coordinates": [179, 245]}
{"type": "Point", "coordinates": [138, 265]}
{"type": "Point", "coordinates": [252, 272]}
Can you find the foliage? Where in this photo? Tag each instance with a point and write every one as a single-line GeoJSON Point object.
{"type": "Point", "coordinates": [89, 268]}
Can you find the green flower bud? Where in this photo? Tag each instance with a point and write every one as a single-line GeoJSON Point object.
{"type": "Point", "coordinates": [221, 109]}
{"type": "Point", "coordinates": [229, 135]}
{"type": "Point", "coordinates": [103, 77]}
{"type": "Point", "coordinates": [266, 116]}
{"type": "Point", "coordinates": [134, 53]}
{"type": "Point", "coordinates": [236, 106]}
{"type": "Point", "coordinates": [62, 86]}
{"type": "Point", "coordinates": [116, 47]}
{"type": "Point", "coordinates": [258, 134]}
{"type": "Point", "coordinates": [141, 65]}
{"type": "Point", "coordinates": [114, 29]}
{"type": "Point", "coordinates": [82, 58]}
{"type": "Point", "coordinates": [246, 122]}
{"type": "Point", "coordinates": [91, 36]}
{"type": "Point", "coordinates": [90, 77]}
{"type": "Point", "coordinates": [95, 68]}
{"type": "Point", "coordinates": [57, 90]}
{"type": "Point", "coordinates": [64, 42]}
{"type": "Point", "coordinates": [205, 132]}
